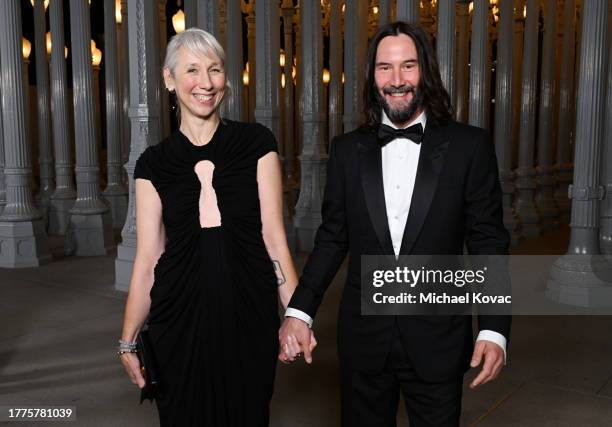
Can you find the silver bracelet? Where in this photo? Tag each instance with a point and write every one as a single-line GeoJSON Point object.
{"type": "Point", "coordinates": [127, 345]}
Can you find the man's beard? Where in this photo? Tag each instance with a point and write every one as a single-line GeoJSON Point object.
{"type": "Point", "coordinates": [401, 115]}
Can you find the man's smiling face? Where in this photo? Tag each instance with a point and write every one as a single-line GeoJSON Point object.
{"type": "Point", "coordinates": [397, 76]}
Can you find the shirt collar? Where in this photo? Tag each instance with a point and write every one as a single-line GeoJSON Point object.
{"type": "Point", "coordinates": [421, 118]}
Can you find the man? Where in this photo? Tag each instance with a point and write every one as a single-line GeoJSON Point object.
{"type": "Point", "coordinates": [403, 193]}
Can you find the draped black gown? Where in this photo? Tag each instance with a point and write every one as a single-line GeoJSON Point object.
{"type": "Point", "coordinates": [214, 313]}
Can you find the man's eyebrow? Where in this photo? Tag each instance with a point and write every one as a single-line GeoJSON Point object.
{"type": "Point", "coordinates": [411, 61]}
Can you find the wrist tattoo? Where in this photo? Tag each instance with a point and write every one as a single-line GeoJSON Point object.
{"type": "Point", "coordinates": [280, 276]}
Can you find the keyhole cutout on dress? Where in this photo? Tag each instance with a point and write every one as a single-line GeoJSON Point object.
{"type": "Point", "coordinates": [209, 211]}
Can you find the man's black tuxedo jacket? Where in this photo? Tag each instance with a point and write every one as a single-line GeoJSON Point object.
{"type": "Point", "coordinates": [456, 199]}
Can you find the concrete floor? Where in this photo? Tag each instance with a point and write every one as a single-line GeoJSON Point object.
{"type": "Point", "coordinates": [59, 325]}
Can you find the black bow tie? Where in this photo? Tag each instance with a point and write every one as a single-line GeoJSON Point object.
{"type": "Point", "coordinates": [386, 134]}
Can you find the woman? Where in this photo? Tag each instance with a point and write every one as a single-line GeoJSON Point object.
{"type": "Point", "coordinates": [212, 256]}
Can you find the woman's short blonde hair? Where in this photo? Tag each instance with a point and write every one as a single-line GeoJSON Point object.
{"type": "Point", "coordinates": [198, 42]}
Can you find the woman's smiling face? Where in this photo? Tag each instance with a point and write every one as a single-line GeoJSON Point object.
{"type": "Point", "coordinates": [199, 82]}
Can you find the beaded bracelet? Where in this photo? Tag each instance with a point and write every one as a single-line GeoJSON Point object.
{"type": "Point", "coordinates": [121, 352]}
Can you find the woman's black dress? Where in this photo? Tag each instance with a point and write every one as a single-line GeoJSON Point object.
{"type": "Point", "coordinates": [214, 313]}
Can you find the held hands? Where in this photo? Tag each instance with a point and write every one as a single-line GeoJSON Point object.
{"type": "Point", "coordinates": [493, 362]}
{"type": "Point", "coordinates": [294, 338]}
{"type": "Point", "coordinates": [132, 368]}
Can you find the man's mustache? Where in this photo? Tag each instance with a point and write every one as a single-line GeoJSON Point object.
{"type": "Point", "coordinates": [398, 89]}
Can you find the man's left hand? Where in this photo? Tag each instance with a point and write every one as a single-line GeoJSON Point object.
{"type": "Point", "coordinates": [493, 361]}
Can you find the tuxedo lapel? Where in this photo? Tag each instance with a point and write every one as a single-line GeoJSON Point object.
{"type": "Point", "coordinates": [431, 159]}
{"type": "Point", "coordinates": [372, 182]}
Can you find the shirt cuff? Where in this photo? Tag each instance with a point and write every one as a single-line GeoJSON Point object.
{"type": "Point", "coordinates": [495, 337]}
{"type": "Point", "coordinates": [299, 314]}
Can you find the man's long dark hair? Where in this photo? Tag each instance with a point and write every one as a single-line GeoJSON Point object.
{"type": "Point", "coordinates": [436, 101]}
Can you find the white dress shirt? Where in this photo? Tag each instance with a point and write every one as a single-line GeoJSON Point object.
{"type": "Point", "coordinates": [400, 159]}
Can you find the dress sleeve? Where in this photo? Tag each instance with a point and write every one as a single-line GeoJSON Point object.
{"type": "Point", "coordinates": [265, 143]}
{"type": "Point", "coordinates": [143, 167]}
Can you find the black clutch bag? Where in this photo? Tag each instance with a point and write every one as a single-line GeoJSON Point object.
{"type": "Point", "coordinates": [148, 367]}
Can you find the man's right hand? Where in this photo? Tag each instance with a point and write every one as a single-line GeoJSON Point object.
{"type": "Point", "coordinates": [295, 337]}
